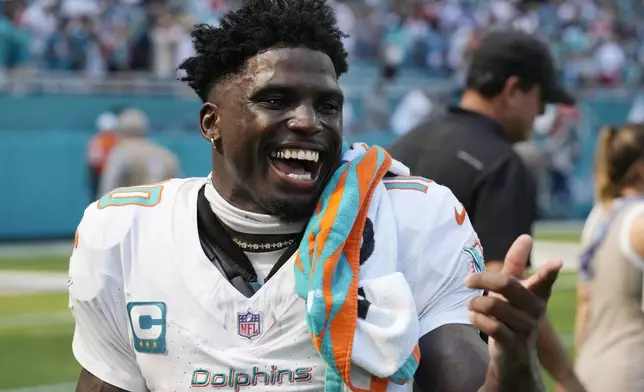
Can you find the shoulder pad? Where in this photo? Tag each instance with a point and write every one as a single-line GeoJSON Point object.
{"type": "Point", "coordinates": [103, 228]}
{"type": "Point", "coordinates": [107, 221]}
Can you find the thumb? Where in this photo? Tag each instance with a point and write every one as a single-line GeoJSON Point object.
{"type": "Point", "coordinates": [517, 256]}
{"type": "Point", "coordinates": [542, 281]}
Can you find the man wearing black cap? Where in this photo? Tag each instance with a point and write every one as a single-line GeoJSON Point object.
{"type": "Point", "coordinates": [469, 149]}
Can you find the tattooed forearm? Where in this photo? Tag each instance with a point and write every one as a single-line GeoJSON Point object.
{"type": "Point", "coordinates": [87, 382]}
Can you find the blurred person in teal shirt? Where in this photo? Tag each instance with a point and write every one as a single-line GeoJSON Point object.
{"type": "Point", "coordinates": [14, 41]}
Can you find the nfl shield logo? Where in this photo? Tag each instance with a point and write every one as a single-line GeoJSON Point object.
{"type": "Point", "coordinates": [249, 324]}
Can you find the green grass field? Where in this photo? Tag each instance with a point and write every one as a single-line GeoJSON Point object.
{"type": "Point", "coordinates": [36, 329]}
{"type": "Point", "coordinates": [53, 264]}
{"type": "Point", "coordinates": [35, 335]}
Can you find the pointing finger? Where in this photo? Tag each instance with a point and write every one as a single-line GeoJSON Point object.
{"type": "Point", "coordinates": [517, 256]}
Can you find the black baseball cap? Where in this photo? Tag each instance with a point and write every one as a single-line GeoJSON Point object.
{"type": "Point", "coordinates": [505, 53]}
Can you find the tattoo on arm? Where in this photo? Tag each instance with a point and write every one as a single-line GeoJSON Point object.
{"type": "Point", "coordinates": [87, 382]}
{"type": "Point", "coordinates": [453, 358]}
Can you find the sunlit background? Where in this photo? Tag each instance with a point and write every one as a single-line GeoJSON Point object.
{"type": "Point", "coordinates": [65, 64]}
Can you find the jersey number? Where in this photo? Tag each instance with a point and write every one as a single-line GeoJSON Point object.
{"type": "Point", "coordinates": [145, 196]}
{"type": "Point", "coordinates": [411, 183]}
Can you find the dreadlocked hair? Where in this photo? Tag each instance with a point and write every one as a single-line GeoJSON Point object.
{"type": "Point", "coordinates": [257, 26]}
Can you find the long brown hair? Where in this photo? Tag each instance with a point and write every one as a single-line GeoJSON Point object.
{"type": "Point", "coordinates": [618, 149]}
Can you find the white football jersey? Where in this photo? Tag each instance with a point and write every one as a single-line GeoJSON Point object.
{"type": "Point", "coordinates": [153, 313]}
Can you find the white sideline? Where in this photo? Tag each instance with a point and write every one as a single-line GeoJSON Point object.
{"type": "Point", "coordinates": [14, 282]}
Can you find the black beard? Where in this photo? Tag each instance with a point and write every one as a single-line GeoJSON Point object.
{"type": "Point", "coordinates": [289, 210]}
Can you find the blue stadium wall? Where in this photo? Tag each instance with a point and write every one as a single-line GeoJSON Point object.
{"type": "Point", "coordinates": [43, 182]}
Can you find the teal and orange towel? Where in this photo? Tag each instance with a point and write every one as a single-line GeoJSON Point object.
{"type": "Point", "coordinates": [360, 311]}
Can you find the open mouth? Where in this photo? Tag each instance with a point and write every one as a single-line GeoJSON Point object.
{"type": "Point", "coordinates": [301, 166]}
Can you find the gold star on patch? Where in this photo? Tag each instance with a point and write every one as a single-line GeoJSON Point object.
{"type": "Point", "coordinates": [154, 344]}
{"type": "Point", "coordinates": [147, 344]}
{"type": "Point", "coordinates": [140, 344]}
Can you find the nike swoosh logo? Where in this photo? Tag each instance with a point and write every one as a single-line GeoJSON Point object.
{"type": "Point", "coordinates": [460, 216]}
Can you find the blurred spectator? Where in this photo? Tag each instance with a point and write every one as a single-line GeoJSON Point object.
{"type": "Point", "coordinates": [14, 40]}
{"type": "Point", "coordinates": [611, 59]}
{"type": "Point", "coordinates": [636, 114]}
{"type": "Point", "coordinates": [184, 47]}
{"type": "Point", "coordinates": [136, 160]}
{"type": "Point", "coordinates": [377, 108]}
{"type": "Point", "coordinates": [562, 147]}
{"type": "Point", "coordinates": [64, 48]}
{"type": "Point", "coordinates": [346, 23]}
{"type": "Point", "coordinates": [99, 148]}
{"type": "Point", "coordinates": [414, 108]}
{"type": "Point", "coordinates": [534, 154]}
{"type": "Point", "coordinates": [609, 325]}
{"type": "Point", "coordinates": [42, 20]}
{"type": "Point", "coordinates": [165, 36]}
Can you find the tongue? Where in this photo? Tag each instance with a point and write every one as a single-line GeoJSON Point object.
{"type": "Point", "coordinates": [290, 166]}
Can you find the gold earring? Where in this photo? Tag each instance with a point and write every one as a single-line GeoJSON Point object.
{"type": "Point", "coordinates": [212, 141]}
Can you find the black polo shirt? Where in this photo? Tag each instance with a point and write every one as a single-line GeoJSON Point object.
{"type": "Point", "coordinates": [469, 154]}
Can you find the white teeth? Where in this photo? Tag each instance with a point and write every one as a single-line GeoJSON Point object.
{"type": "Point", "coordinates": [303, 177]}
{"type": "Point", "coordinates": [303, 155]}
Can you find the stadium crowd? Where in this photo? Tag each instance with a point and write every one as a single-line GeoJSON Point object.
{"type": "Point", "coordinates": [598, 42]}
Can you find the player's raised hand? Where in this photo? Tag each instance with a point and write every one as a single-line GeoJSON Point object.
{"type": "Point", "coordinates": [510, 316]}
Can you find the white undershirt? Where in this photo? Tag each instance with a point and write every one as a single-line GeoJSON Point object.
{"type": "Point", "coordinates": [251, 223]}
